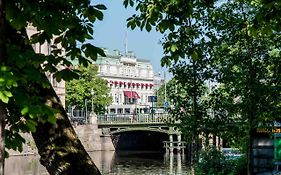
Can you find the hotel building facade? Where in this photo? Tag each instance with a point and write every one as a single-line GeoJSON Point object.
{"type": "Point", "coordinates": [131, 81]}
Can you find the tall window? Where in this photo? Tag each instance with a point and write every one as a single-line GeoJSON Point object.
{"type": "Point", "coordinates": [120, 98]}
{"type": "Point", "coordinates": [116, 98]}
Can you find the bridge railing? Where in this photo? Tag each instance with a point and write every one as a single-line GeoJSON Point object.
{"type": "Point", "coordinates": [131, 118]}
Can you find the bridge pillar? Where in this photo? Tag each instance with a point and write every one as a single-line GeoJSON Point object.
{"type": "Point", "coordinates": [171, 142]}
{"type": "Point", "coordinates": [93, 119]}
{"type": "Point", "coordinates": [180, 147]}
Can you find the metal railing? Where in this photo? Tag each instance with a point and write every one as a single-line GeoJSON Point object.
{"type": "Point", "coordinates": [171, 145]}
{"type": "Point", "coordinates": [79, 117]}
{"type": "Point", "coordinates": [132, 118]}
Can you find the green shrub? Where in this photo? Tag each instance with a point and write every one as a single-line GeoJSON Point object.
{"type": "Point", "coordinates": [240, 165]}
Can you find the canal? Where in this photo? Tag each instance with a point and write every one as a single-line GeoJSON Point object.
{"type": "Point", "coordinates": [110, 163]}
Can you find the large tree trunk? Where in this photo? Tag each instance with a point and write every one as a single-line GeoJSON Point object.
{"type": "Point", "coordinates": [58, 145]}
{"type": "Point", "coordinates": [2, 137]}
{"type": "Point", "coordinates": [3, 60]}
{"type": "Point", "coordinates": [61, 151]}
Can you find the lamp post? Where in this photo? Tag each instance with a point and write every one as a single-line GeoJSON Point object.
{"type": "Point", "coordinates": [93, 93]}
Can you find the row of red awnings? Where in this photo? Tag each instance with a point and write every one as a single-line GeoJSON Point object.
{"type": "Point", "coordinates": [131, 94]}
{"type": "Point", "coordinates": [129, 83]}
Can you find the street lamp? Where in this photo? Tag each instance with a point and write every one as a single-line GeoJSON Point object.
{"type": "Point", "coordinates": [93, 93]}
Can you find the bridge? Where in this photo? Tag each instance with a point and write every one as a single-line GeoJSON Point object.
{"type": "Point", "coordinates": [126, 130]}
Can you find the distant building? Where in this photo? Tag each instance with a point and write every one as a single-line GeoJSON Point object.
{"type": "Point", "coordinates": [45, 49]}
{"type": "Point", "coordinates": [131, 81]}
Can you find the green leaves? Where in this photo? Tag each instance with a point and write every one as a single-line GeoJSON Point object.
{"type": "Point", "coordinates": [78, 91]}
{"type": "Point", "coordinates": [65, 74]}
{"type": "Point", "coordinates": [4, 96]}
{"type": "Point", "coordinates": [194, 55]}
{"type": "Point", "coordinates": [174, 48]}
{"type": "Point", "coordinates": [15, 17]}
{"type": "Point", "coordinates": [128, 2]}
{"type": "Point", "coordinates": [13, 140]}
{"type": "Point", "coordinates": [31, 124]}
{"type": "Point", "coordinates": [7, 82]}
{"type": "Point", "coordinates": [166, 24]}
{"type": "Point", "coordinates": [274, 53]}
{"type": "Point", "coordinates": [93, 12]}
{"type": "Point", "coordinates": [57, 28]}
{"type": "Point", "coordinates": [100, 6]}
{"type": "Point", "coordinates": [25, 110]}
{"type": "Point", "coordinates": [230, 44]}
{"type": "Point", "coordinates": [92, 51]}
{"type": "Point", "coordinates": [148, 27]}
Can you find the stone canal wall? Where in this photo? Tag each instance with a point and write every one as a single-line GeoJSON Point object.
{"type": "Point", "coordinates": [90, 136]}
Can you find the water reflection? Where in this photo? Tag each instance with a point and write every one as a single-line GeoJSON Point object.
{"type": "Point", "coordinates": [24, 165]}
{"type": "Point", "coordinates": [176, 162]}
{"type": "Point", "coordinates": [110, 163]}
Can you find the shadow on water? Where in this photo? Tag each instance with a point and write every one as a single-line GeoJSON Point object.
{"type": "Point", "coordinates": [111, 163]}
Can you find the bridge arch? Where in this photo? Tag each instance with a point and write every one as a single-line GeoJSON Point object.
{"type": "Point", "coordinates": [147, 129]}
{"type": "Point", "coordinates": [141, 138]}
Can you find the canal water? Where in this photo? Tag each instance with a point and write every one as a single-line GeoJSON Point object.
{"type": "Point", "coordinates": [110, 163]}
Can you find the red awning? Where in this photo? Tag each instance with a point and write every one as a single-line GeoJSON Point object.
{"type": "Point", "coordinates": [131, 94]}
{"type": "Point", "coordinates": [116, 82]}
{"type": "Point", "coordinates": [133, 84]}
{"type": "Point", "coordinates": [120, 82]}
{"type": "Point", "coordinates": [137, 84]}
{"type": "Point", "coordinates": [150, 85]}
{"type": "Point", "coordinates": [129, 84]}
{"type": "Point", "coordinates": [142, 84]}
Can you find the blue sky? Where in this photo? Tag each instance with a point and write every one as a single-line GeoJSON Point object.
{"type": "Point", "coordinates": [110, 34]}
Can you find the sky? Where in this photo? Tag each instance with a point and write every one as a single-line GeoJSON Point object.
{"type": "Point", "coordinates": [110, 34]}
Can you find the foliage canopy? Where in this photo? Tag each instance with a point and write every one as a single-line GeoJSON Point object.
{"type": "Point", "coordinates": [79, 90]}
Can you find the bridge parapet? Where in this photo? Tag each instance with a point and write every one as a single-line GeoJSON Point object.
{"type": "Point", "coordinates": [132, 118]}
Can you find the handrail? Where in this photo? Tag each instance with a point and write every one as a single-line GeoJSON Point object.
{"type": "Point", "coordinates": [131, 118]}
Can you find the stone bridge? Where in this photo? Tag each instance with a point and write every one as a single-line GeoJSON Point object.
{"type": "Point", "coordinates": [140, 129]}
{"type": "Point", "coordinates": [131, 132]}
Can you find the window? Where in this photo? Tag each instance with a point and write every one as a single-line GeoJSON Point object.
{"type": "Point", "coordinates": [120, 98]}
{"type": "Point", "coordinates": [116, 98]}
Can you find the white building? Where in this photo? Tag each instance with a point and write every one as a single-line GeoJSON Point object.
{"type": "Point", "coordinates": [130, 80]}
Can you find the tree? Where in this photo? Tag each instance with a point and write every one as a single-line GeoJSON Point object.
{"type": "Point", "coordinates": [79, 90]}
{"type": "Point", "coordinates": [247, 64]}
{"type": "Point", "coordinates": [231, 43]}
{"type": "Point", "coordinates": [186, 48]}
{"type": "Point", "coordinates": [28, 102]}
{"type": "Point", "coordinates": [170, 89]}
